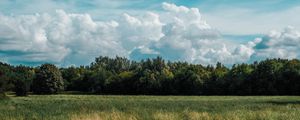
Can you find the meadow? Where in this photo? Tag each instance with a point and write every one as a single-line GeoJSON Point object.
{"type": "Point", "coordinates": [113, 107]}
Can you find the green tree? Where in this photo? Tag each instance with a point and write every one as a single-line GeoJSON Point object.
{"type": "Point", "coordinates": [48, 80]}
{"type": "Point", "coordinates": [3, 81]}
{"type": "Point", "coordinates": [2, 85]}
{"type": "Point", "coordinates": [98, 79]}
{"type": "Point", "coordinates": [216, 83]}
{"type": "Point", "coordinates": [72, 77]}
{"type": "Point", "coordinates": [23, 77]}
{"type": "Point", "coordinates": [267, 76]}
{"type": "Point", "coordinates": [166, 78]}
{"type": "Point", "coordinates": [21, 88]}
{"type": "Point", "coordinates": [238, 80]}
{"type": "Point", "coordinates": [5, 78]}
{"type": "Point", "coordinates": [187, 82]}
{"type": "Point", "coordinates": [290, 83]}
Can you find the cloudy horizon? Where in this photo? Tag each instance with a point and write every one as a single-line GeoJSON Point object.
{"type": "Point", "coordinates": [206, 32]}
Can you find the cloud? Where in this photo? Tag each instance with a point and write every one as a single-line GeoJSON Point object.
{"type": "Point", "coordinates": [278, 44]}
{"type": "Point", "coordinates": [57, 38]}
{"type": "Point", "coordinates": [135, 32]}
{"type": "Point", "coordinates": [187, 37]}
{"type": "Point", "coordinates": [177, 33]}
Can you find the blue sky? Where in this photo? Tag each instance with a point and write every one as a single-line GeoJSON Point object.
{"type": "Point", "coordinates": [217, 12]}
{"type": "Point", "coordinates": [75, 31]}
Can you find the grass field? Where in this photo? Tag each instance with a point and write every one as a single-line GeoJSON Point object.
{"type": "Point", "coordinates": [97, 107]}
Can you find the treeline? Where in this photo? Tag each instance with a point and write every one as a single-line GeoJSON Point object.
{"type": "Point", "coordinates": [155, 77]}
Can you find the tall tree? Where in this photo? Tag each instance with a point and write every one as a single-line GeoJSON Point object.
{"type": "Point", "coordinates": [48, 80]}
{"type": "Point", "coordinates": [187, 82]}
{"type": "Point", "coordinates": [5, 78]}
{"type": "Point", "coordinates": [23, 77]}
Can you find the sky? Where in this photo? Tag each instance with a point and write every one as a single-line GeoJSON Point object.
{"type": "Point", "coordinates": [74, 32]}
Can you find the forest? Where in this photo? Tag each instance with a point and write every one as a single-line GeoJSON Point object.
{"type": "Point", "coordinates": [155, 76]}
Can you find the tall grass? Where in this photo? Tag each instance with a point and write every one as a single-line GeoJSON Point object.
{"type": "Point", "coordinates": [95, 107]}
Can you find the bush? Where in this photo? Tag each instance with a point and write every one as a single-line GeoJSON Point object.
{"type": "Point", "coordinates": [48, 80]}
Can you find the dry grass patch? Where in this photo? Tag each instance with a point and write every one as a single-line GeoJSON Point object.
{"type": "Point", "coordinates": [165, 116]}
{"type": "Point", "coordinates": [114, 115]}
{"type": "Point", "coordinates": [198, 116]}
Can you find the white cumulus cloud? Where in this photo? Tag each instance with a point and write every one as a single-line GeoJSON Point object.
{"type": "Point", "coordinates": [188, 37]}
{"type": "Point", "coordinates": [177, 33]}
{"type": "Point", "coordinates": [58, 38]}
{"type": "Point", "coordinates": [278, 44]}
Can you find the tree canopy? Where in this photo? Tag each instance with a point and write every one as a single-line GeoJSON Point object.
{"type": "Point", "coordinates": [156, 77]}
{"type": "Point", "coordinates": [48, 80]}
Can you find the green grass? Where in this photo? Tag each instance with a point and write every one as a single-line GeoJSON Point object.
{"type": "Point", "coordinates": [97, 107]}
